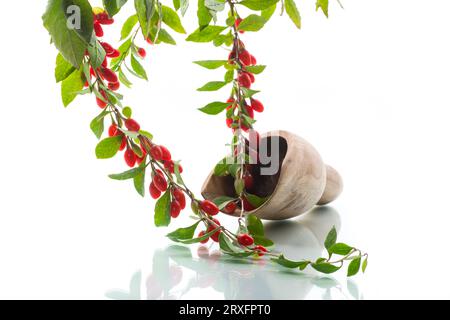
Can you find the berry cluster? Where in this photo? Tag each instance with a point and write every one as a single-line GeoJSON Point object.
{"type": "Point", "coordinates": [101, 17]}
{"type": "Point", "coordinates": [239, 105]}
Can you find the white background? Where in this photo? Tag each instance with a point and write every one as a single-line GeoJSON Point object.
{"type": "Point", "coordinates": [369, 87]}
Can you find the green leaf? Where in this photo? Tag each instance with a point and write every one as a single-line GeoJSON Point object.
{"type": "Point", "coordinates": [96, 53]}
{"type": "Point", "coordinates": [130, 174]}
{"type": "Point", "coordinates": [254, 225]}
{"type": "Point", "coordinates": [71, 86]}
{"type": "Point", "coordinates": [255, 69]}
{"type": "Point", "coordinates": [145, 9]}
{"type": "Point", "coordinates": [171, 18]}
{"type": "Point", "coordinates": [229, 76]}
{"type": "Point", "coordinates": [364, 265]}
{"type": "Point", "coordinates": [128, 26]}
{"type": "Point", "coordinates": [97, 124]}
{"type": "Point", "coordinates": [252, 23]}
{"type": "Point", "coordinates": [196, 240]}
{"type": "Point", "coordinates": [184, 5]}
{"type": "Point", "coordinates": [165, 37]}
{"type": "Point", "coordinates": [138, 68]}
{"type": "Point", "coordinates": [162, 210]}
{"type": "Point", "coordinates": [292, 11]}
{"type": "Point", "coordinates": [204, 17]}
{"type": "Point", "coordinates": [226, 245]}
{"type": "Point", "coordinates": [63, 68]}
{"type": "Point", "coordinates": [281, 260]}
{"type": "Point", "coordinates": [214, 108]}
{"type": "Point", "coordinates": [184, 233]}
{"type": "Point", "coordinates": [205, 35]}
{"type": "Point", "coordinates": [223, 201]}
{"type": "Point", "coordinates": [258, 4]}
{"type": "Point", "coordinates": [108, 148]}
{"type": "Point", "coordinates": [139, 180]}
{"type": "Point", "coordinates": [248, 93]}
{"type": "Point", "coordinates": [146, 134]}
{"type": "Point", "coordinates": [176, 4]}
{"type": "Point", "coordinates": [242, 254]}
{"type": "Point", "coordinates": [255, 200]}
{"type": "Point", "coordinates": [268, 13]}
{"type": "Point", "coordinates": [331, 238]}
{"type": "Point", "coordinates": [213, 86]}
{"type": "Point", "coordinates": [221, 168]}
{"type": "Point", "coordinates": [353, 267]}
{"type": "Point", "coordinates": [263, 241]}
{"type": "Point", "coordinates": [211, 64]}
{"type": "Point", "coordinates": [325, 267]}
{"type": "Point", "coordinates": [340, 248]}
{"type": "Point", "coordinates": [239, 185]}
{"type": "Point", "coordinates": [113, 6]}
{"type": "Point", "coordinates": [322, 4]}
{"type": "Point", "coordinates": [70, 42]}
{"type": "Point", "coordinates": [123, 79]}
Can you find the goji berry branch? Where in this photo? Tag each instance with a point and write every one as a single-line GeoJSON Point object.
{"type": "Point", "coordinates": [84, 56]}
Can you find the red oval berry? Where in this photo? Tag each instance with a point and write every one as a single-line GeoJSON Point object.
{"type": "Point", "coordinates": [250, 112]}
{"type": "Point", "coordinates": [245, 240]}
{"type": "Point", "coordinates": [142, 53]}
{"type": "Point", "coordinates": [170, 166]}
{"type": "Point", "coordinates": [130, 158]}
{"type": "Point", "coordinates": [251, 76]}
{"type": "Point", "coordinates": [201, 234]}
{"type": "Point", "coordinates": [166, 156]}
{"type": "Point", "coordinates": [132, 125]}
{"type": "Point", "coordinates": [175, 209]}
{"type": "Point", "coordinates": [248, 180]}
{"type": "Point", "coordinates": [209, 207]}
{"type": "Point", "coordinates": [154, 192]}
{"type": "Point", "coordinates": [102, 104]}
{"type": "Point", "coordinates": [178, 194]}
{"type": "Point", "coordinates": [149, 41]}
{"type": "Point", "coordinates": [245, 57]}
{"type": "Point", "coordinates": [124, 143]}
{"type": "Point", "coordinates": [261, 250]}
{"type": "Point", "coordinates": [113, 54]}
{"type": "Point", "coordinates": [156, 153]}
{"type": "Point", "coordinates": [215, 236]}
{"type": "Point", "coordinates": [113, 131]}
{"type": "Point", "coordinates": [104, 18]}
{"type": "Point", "coordinates": [253, 59]}
{"type": "Point", "coordinates": [98, 29]}
{"type": "Point", "coordinates": [109, 75]}
{"type": "Point", "coordinates": [230, 208]}
{"type": "Point", "coordinates": [108, 48]}
{"type": "Point", "coordinates": [244, 80]}
{"type": "Point", "coordinates": [159, 181]}
{"type": "Point", "coordinates": [257, 105]}
{"type": "Point", "coordinates": [105, 63]}
{"type": "Point", "coordinates": [229, 122]}
{"type": "Point", "coordinates": [114, 86]}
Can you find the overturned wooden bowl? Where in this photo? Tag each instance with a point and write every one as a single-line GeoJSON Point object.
{"type": "Point", "coordinates": [301, 181]}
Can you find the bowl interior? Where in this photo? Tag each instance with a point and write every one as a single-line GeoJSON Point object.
{"type": "Point", "coordinates": [264, 185]}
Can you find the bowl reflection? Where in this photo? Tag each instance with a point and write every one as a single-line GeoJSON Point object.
{"type": "Point", "coordinates": [178, 272]}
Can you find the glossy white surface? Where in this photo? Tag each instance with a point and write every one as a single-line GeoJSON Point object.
{"type": "Point", "coordinates": [367, 87]}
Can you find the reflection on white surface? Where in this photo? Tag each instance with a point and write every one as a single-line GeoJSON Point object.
{"type": "Point", "coordinates": [178, 271]}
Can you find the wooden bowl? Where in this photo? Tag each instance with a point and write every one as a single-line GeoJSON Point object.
{"type": "Point", "coordinates": [301, 181]}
